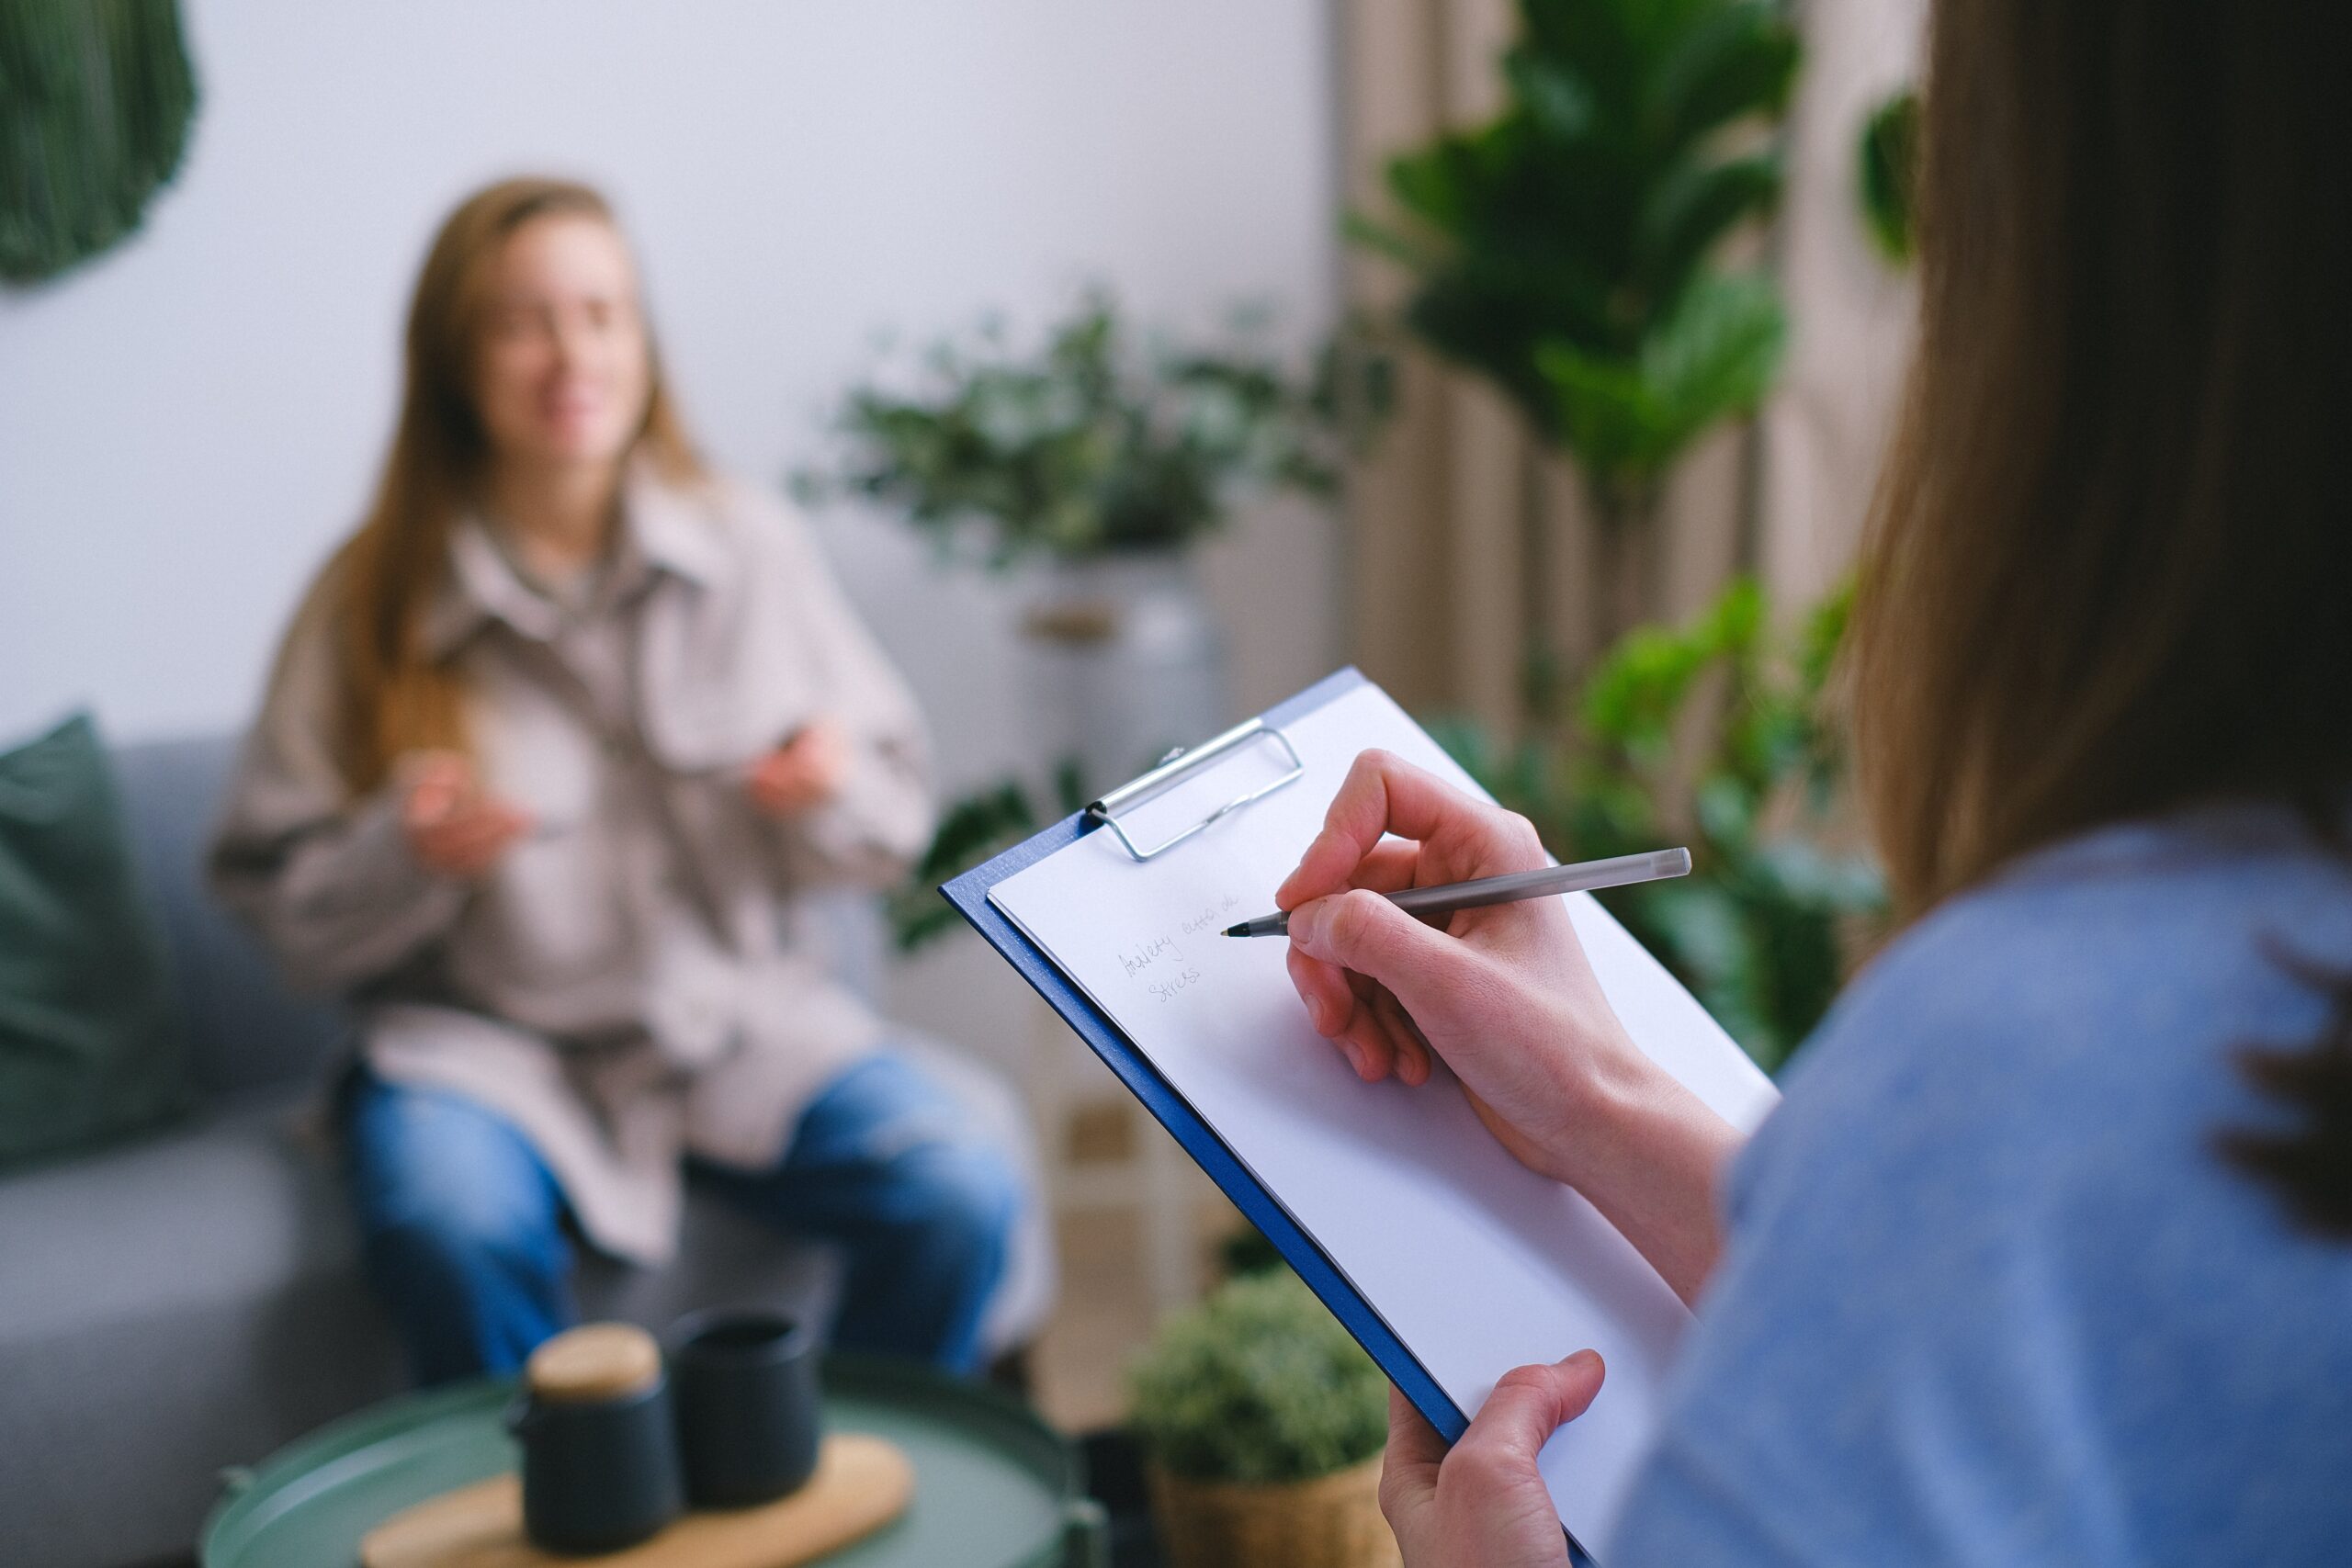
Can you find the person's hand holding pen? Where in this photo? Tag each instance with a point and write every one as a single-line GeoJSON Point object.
{"type": "Point", "coordinates": [1504, 995]}
{"type": "Point", "coordinates": [803, 773]}
{"type": "Point", "coordinates": [453, 826]}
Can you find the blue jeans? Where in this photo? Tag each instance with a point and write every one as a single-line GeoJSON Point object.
{"type": "Point", "coordinates": [464, 1228]}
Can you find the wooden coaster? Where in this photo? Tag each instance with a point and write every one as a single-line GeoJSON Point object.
{"type": "Point", "coordinates": [861, 1485]}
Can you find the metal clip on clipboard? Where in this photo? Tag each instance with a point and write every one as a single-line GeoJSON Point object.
{"type": "Point", "coordinates": [1179, 764]}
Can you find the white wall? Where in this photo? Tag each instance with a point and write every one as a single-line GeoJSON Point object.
{"type": "Point", "coordinates": [188, 423]}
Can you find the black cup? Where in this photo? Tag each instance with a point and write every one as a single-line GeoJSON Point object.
{"type": "Point", "coordinates": [598, 1475]}
{"type": "Point", "coordinates": [748, 1404]}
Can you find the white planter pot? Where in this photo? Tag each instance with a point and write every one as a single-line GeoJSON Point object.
{"type": "Point", "coordinates": [1124, 661]}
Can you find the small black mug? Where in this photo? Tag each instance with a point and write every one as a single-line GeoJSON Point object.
{"type": "Point", "coordinates": [745, 1381]}
{"type": "Point", "coordinates": [598, 1475]}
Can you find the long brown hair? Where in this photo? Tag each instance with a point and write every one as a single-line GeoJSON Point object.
{"type": "Point", "coordinates": [2106, 574]}
{"type": "Point", "coordinates": [393, 695]}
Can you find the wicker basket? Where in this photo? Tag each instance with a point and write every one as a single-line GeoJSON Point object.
{"type": "Point", "coordinates": [1333, 1521]}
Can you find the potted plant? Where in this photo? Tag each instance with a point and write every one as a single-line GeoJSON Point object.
{"type": "Point", "coordinates": [1262, 1422]}
{"type": "Point", "coordinates": [1761, 928]}
{"type": "Point", "coordinates": [1108, 459]}
{"type": "Point", "coordinates": [1569, 249]}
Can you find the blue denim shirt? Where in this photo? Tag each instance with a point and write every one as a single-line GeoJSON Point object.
{"type": "Point", "coordinates": [1991, 1296]}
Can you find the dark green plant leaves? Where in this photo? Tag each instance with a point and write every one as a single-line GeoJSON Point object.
{"type": "Point", "coordinates": [1721, 63]}
{"type": "Point", "coordinates": [95, 100]}
{"type": "Point", "coordinates": [1259, 1385]}
{"type": "Point", "coordinates": [1561, 104]}
{"type": "Point", "coordinates": [1629, 418]}
{"type": "Point", "coordinates": [969, 831]}
{"type": "Point", "coordinates": [1888, 165]}
{"type": "Point", "coordinates": [1759, 930]}
{"type": "Point", "coordinates": [1561, 250]}
{"type": "Point", "coordinates": [972, 829]}
{"type": "Point", "coordinates": [1093, 442]}
{"type": "Point", "coordinates": [1689, 212]}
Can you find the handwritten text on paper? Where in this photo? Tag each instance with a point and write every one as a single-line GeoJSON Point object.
{"type": "Point", "coordinates": [1159, 962]}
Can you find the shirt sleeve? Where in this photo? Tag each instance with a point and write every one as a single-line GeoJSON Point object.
{"type": "Point", "coordinates": [327, 881]}
{"type": "Point", "coordinates": [1885, 1368]}
{"type": "Point", "coordinates": [881, 820]}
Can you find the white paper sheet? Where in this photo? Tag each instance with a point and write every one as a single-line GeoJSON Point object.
{"type": "Point", "coordinates": [1476, 1264]}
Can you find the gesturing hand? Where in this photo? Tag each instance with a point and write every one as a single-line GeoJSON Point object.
{"type": "Point", "coordinates": [1503, 994]}
{"type": "Point", "coordinates": [803, 773]}
{"type": "Point", "coordinates": [1483, 1505]}
{"type": "Point", "coordinates": [453, 826]}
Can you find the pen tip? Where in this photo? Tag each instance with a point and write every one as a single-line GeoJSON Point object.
{"type": "Point", "coordinates": [1233, 930]}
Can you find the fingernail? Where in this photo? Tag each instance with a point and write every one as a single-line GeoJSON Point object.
{"type": "Point", "coordinates": [1315, 1014]}
{"type": "Point", "coordinates": [1305, 921]}
{"type": "Point", "coordinates": [1583, 1359]}
{"type": "Point", "coordinates": [1355, 1056]}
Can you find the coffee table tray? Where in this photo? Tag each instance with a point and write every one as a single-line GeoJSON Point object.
{"type": "Point", "coordinates": [995, 1487]}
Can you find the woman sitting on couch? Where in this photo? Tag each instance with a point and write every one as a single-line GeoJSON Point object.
{"type": "Point", "coordinates": [546, 744]}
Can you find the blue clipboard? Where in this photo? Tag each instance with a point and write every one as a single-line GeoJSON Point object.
{"type": "Point", "coordinates": [969, 894]}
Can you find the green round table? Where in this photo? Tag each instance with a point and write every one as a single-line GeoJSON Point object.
{"type": "Point", "coordinates": [994, 1486]}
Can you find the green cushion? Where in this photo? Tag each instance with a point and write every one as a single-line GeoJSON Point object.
{"type": "Point", "coordinates": [90, 1040]}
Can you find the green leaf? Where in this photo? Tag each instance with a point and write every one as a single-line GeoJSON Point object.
{"type": "Point", "coordinates": [1824, 633]}
{"type": "Point", "coordinates": [1555, 246]}
{"type": "Point", "coordinates": [1737, 61]}
{"type": "Point", "coordinates": [1759, 930]}
{"type": "Point", "coordinates": [1606, 413]}
{"type": "Point", "coordinates": [1560, 102]}
{"type": "Point", "coordinates": [1888, 165]}
{"type": "Point", "coordinates": [1602, 41]}
{"type": "Point", "coordinates": [971, 829]}
{"type": "Point", "coordinates": [1718, 352]}
{"type": "Point", "coordinates": [1715, 357]}
{"type": "Point", "coordinates": [1439, 184]}
{"type": "Point", "coordinates": [1693, 207]}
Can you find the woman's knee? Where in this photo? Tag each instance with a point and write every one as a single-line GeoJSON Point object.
{"type": "Point", "coordinates": [434, 1176]}
{"type": "Point", "coordinates": [461, 1233]}
{"type": "Point", "coordinates": [965, 1196]}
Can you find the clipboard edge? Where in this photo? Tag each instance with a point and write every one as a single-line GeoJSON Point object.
{"type": "Point", "coordinates": [968, 893]}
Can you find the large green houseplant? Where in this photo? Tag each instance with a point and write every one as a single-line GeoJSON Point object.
{"type": "Point", "coordinates": [1727, 716]}
{"type": "Point", "coordinates": [1574, 252]}
{"type": "Point", "coordinates": [1567, 250]}
{"type": "Point", "coordinates": [1262, 1422]}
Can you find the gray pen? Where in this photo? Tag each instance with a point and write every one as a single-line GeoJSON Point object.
{"type": "Point", "coordinates": [1620, 870]}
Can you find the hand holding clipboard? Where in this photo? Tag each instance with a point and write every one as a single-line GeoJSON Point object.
{"type": "Point", "coordinates": [1450, 1261]}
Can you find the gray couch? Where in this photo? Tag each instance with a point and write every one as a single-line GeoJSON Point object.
{"type": "Point", "coordinates": [191, 1300]}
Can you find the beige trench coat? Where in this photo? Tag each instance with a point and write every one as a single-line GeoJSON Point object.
{"type": "Point", "coordinates": [627, 984]}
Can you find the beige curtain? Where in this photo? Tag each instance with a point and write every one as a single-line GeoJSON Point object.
{"type": "Point", "coordinates": [1826, 429]}
{"type": "Point", "coordinates": [1469, 543]}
